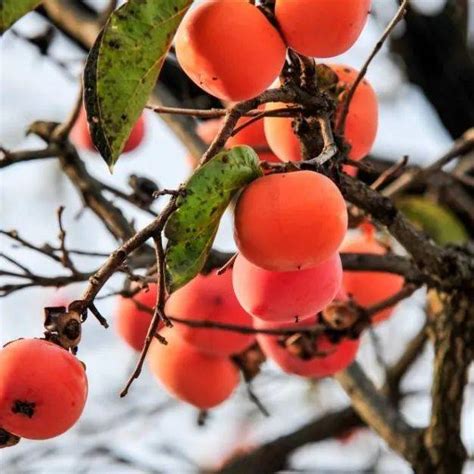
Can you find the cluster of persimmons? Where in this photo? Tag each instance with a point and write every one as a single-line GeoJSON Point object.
{"type": "Point", "coordinates": [289, 230]}
{"type": "Point", "coordinates": [289, 227]}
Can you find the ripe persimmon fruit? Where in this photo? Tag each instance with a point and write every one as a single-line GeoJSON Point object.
{"type": "Point", "coordinates": [286, 296]}
{"type": "Point", "coordinates": [81, 136]}
{"type": "Point", "coordinates": [43, 389]}
{"type": "Point", "coordinates": [210, 298]}
{"type": "Point", "coordinates": [203, 380]}
{"type": "Point", "coordinates": [290, 221]}
{"type": "Point", "coordinates": [133, 322]}
{"type": "Point", "coordinates": [230, 49]}
{"type": "Point", "coordinates": [308, 356]}
{"type": "Point", "coordinates": [321, 28]}
{"type": "Point", "coordinates": [369, 288]}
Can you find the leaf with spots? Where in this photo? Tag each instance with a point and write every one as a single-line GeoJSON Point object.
{"type": "Point", "coordinates": [123, 66]}
{"type": "Point", "coordinates": [192, 228]}
{"type": "Point", "coordinates": [13, 10]}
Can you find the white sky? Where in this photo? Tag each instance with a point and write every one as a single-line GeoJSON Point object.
{"type": "Point", "coordinates": [32, 88]}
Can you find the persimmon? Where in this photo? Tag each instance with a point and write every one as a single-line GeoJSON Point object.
{"type": "Point", "coordinates": [350, 170]}
{"type": "Point", "coordinates": [132, 322]}
{"type": "Point", "coordinates": [208, 129]}
{"type": "Point", "coordinates": [210, 298]}
{"type": "Point", "coordinates": [200, 379]}
{"type": "Point", "coordinates": [363, 115]}
{"type": "Point", "coordinates": [81, 136]}
{"type": "Point", "coordinates": [43, 389]}
{"type": "Point", "coordinates": [252, 135]}
{"type": "Point", "coordinates": [308, 356]}
{"type": "Point", "coordinates": [229, 49]}
{"type": "Point", "coordinates": [280, 135]}
{"type": "Point", "coordinates": [286, 296]}
{"type": "Point", "coordinates": [321, 28]}
{"type": "Point", "coordinates": [360, 126]}
{"type": "Point", "coordinates": [290, 221]}
{"type": "Point", "coordinates": [369, 288]}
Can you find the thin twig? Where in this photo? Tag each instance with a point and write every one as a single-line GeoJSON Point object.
{"type": "Point", "coordinates": [15, 236]}
{"type": "Point", "coordinates": [227, 265]}
{"type": "Point", "coordinates": [461, 147]}
{"type": "Point", "coordinates": [389, 172]}
{"type": "Point", "coordinates": [66, 260]}
{"type": "Point", "coordinates": [62, 131]}
{"type": "Point", "coordinates": [11, 158]}
{"type": "Point", "coordinates": [283, 112]}
{"type": "Point", "coordinates": [26, 270]}
{"type": "Point", "coordinates": [128, 198]}
{"type": "Point", "coordinates": [217, 113]}
{"type": "Point", "coordinates": [158, 313]}
{"type": "Point", "coordinates": [404, 293]}
{"type": "Point", "coordinates": [390, 27]}
{"type": "Point", "coordinates": [288, 96]}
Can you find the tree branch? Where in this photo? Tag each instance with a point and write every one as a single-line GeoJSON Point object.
{"type": "Point", "coordinates": [379, 414]}
{"type": "Point", "coordinates": [12, 158]}
{"type": "Point", "coordinates": [453, 332]}
{"type": "Point", "coordinates": [90, 191]}
{"type": "Point", "coordinates": [378, 46]}
{"type": "Point", "coordinates": [449, 269]}
{"type": "Point", "coordinates": [273, 456]}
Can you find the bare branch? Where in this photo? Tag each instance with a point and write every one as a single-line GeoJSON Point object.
{"type": "Point", "coordinates": [389, 173]}
{"type": "Point", "coordinates": [283, 94]}
{"type": "Point", "coordinates": [461, 147]}
{"type": "Point", "coordinates": [376, 411]}
{"type": "Point", "coordinates": [65, 259]}
{"type": "Point", "coordinates": [62, 132]}
{"type": "Point", "coordinates": [158, 313]}
{"type": "Point", "coordinates": [90, 190]}
{"type": "Point", "coordinates": [446, 267]}
{"type": "Point", "coordinates": [12, 158]}
{"type": "Point", "coordinates": [272, 456]}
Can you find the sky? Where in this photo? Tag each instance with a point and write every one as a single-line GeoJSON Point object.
{"type": "Point", "coordinates": [146, 427]}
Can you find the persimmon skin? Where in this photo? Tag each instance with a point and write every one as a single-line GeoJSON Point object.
{"type": "Point", "coordinates": [350, 170]}
{"type": "Point", "coordinates": [286, 296]}
{"type": "Point", "coordinates": [252, 135]}
{"type": "Point", "coordinates": [369, 288]}
{"type": "Point", "coordinates": [321, 28]}
{"type": "Point", "coordinates": [203, 380]}
{"type": "Point", "coordinates": [211, 298]}
{"type": "Point", "coordinates": [46, 378]}
{"type": "Point", "coordinates": [280, 135]}
{"type": "Point", "coordinates": [132, 323]}
{"type": "Point", "coordinates": [290, 221]}
{"type": "Point", "coordinates": [360, 127]}
{"type": "Point", "coordinates": [81, 136]}
{"type": "Point", "coordinates": [338, 357]}
{"type": "Point", "coordinates": [363, 115]}
{"type": "Point", "coordinates": [229, 49]}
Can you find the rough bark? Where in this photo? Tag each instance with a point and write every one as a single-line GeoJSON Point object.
{"type": "Point", "coordinates": [453, 335]}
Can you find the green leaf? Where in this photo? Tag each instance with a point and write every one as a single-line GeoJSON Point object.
{"type": "Point", "coordinates": [123, 66]}
{"type": "Point", "coordinates": [13, 10]}
{"type": "Point", "coordinates": [191, 229]}
{"type": "Point", "coordinates": [442, 225]}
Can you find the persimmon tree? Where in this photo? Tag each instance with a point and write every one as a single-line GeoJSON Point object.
{"type": "Point", "coordinates": [287, 151]}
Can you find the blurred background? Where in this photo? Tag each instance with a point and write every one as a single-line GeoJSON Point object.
{"type": "Point", "coordinates": [147, 431]}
